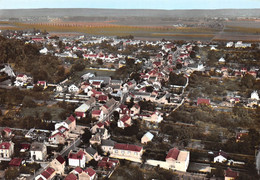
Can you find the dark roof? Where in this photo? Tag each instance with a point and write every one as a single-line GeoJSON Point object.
{"type": "Point", "coordinates": [107, 142]}
{"type": "Point", "coordinates": [60, 159]}
{"type": "Point", "coordinates": [91, 151]}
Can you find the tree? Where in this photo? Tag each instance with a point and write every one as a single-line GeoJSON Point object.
{"type": "Point", "coordinates": [192, 54]}
{"type": "Point", "coordinates": [100, 61]}
{"type": "Point", "coordinates": [86, 136]}
{"type": "Point", "coordinates": [248, 81]}
{"type": "Point", "coordinates": [47, 115]}
{"type": "Point", "coordinates": [149, 88]}
{"type": "Point", "coordinates": [11, 173]}
{"type": "Point", "coordinates": [28, 102]}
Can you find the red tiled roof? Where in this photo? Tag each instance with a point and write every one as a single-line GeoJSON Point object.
{"type": "Point", "coordinates": [90, 172]}
{"type": "Point", "coordinates": [203, 101]}
{"type": "Point", "coordinates": [15, 162]}
{"type": "Point", "coordinates": [128, 147]}
{"type": "Point", "coordinates": [71, 176]}
{"type": "Point", "coordinates": [79, 114]}
{"type": "Point", "coordinates": [60, 159]}
{"type": "Point", "coordinates": [100, 124]}
{"type": "Point", "coordinates": [20, 75]}
{"type": "Point", "coordinates": [230, 173]}
{"type": "Point", "coordinates": [103, 98]}
{"type": "Point", "coordinates": [8, 130]}
{"type": "Point", "coordinates": [97, 83]}
{"type": "Point", "coordinates": [25, 146]}
{"type": "Point", "coordinates": [78, 170]}
{"type": "Point", "coordinates": [5, 145]}
{"type": "Point", "coordinates": [78, 155]}
{"type": "Point", "coordinates": [50, 170]}
{"type": "Point", "coordinates": [173, 153]}
{"type": "Point", "coordinates": [71, 118]}
{"type": "Point", "coordinates": [96, 112]}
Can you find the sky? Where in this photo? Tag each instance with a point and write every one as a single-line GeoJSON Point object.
{"type": "Point", "coordinates": [131, 4]}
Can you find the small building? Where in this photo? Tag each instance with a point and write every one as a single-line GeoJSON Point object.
{"type": "Point", "coordinates": [147, 138]}
{"type": "Point", "coordinates": [107, 145]}
{"type": "Point", "coordinates": [6, 149]}
{"type": "Point", "coordinates": [90, 154]}
{"type": "Point", "coordinates": [220, 157]}
{"type": "Point", "coordinates": [38, 151]}
{"type": "Point", "coordinates": [81, 111]}
{"type": "Point", "coordinates": [71, 121]}
{"type": "Point", "coordinates": [42, 83]}
{"type": "Point", "coordinates": [48, 174]}
{"type": "Point", "coordinates": [77, 159]}
{"type": "Point", "coordinates": [58, 164]}
{"type": "Point", "coordinates": [98, 114]}
{"type": "Point", "coordinates": [73, 89]}
{"type": "Point", "coordinates": [124, 121]}
{"type": "Point", "coordinates": [88, 174]}
{"type": "Point", "coordinates": [127, 151]}
{"type": "Point", "coordinates": [7, 132]}
{"type": "Point", "coordinates": [178, 160]}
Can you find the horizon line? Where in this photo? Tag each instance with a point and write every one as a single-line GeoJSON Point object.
{"type": "Point", "coordinates": [138, 9]}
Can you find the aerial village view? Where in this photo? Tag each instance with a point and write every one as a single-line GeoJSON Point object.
{"type": "Point", "coordinates": [129, 93]}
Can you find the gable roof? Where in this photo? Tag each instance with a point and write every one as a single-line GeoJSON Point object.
{"type": "Point", "coordinates": [5, 145]}
{"type": "Point", "coordinates": [149, 135]}
{"type": "Point", "coordinates": [60, 159]}
{"type": "Point", "coordinates": [230, 173]}
{"type": "Point", "coordinates": [129, 147]}
{"type": "Point", "coordinates": [91, 172]}
{"type": "Point", "coordinates": [15, 162]}
{"type": "Point", "coordinates": [203, 101]}
{"type": "Point", "coordinates": [173, 153]}
{"type": "Point", "coordinates": [71, 176]}
{"type": "Point", "coordinates": [91, 151]}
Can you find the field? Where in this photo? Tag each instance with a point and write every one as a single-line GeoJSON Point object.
{"type": "Point", "coordinates": [232, 31]}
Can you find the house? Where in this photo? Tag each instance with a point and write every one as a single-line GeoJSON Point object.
{"type": "Point", "coordinates": [107, 163]}
{"type": "Point", "coordinates": [178, 160]}
{"type": "Point", "coordinates": [22, 78]}
{"type": "Point", "coordinates": [96, 126]}
{"type": "Point", "coordinates": [230, 175]}
{"type": "Point", "coordinates": [58, 164]}
{"type": "Point", "coordinates": [81, 110]}
{"type": "Point", "coordinates": [90, 154]}
{"type": "Point", "coordinates": [42, 83]}
{"type": "Point", "coordinates": [124, 121]}
{"type": "Point", "coordinates": [88, 174]}
{"type": "Point", "coordinates": [135, 109]}
{"type": "Point", "coordinates": [71, 176]}
{"type": "Point", "coordinates": [77, 158]}
{"type": "Point", "coordinates": [98, 114]}
{"type": "Point", "coordinates": [127, 151]}
{"type": "Point", "coordinates": [107, 145]}
{"type": "Point", "coordinates": [149, 116]}
{"type": "Point", "coordinates": [71, 121]}
{"type": "Point", "coordinates": [48, 174]}
{"type": "Point", "coordinates": [7, 132]}
{"type": "Point", "coordinates": [203, 101]}
{"type": "Point", "coordinates": [38, 151]}
{"type": "Point", "coordinates": [220, 157]}
{"type": "Point", "coordinates": [96, 84]}
{"type": "Point", "coordinates": [57, 137]}
{"type": "Point", "coordinates": [106, 108]}
{"type": "Point", "coordinates": [95, 139]}
{"type": "Point", "coordinates": [147, 138]}
{"type": "Point", "coordinates": [73, 89]}
{"type": "Point", "coordinates": [6, 149]}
